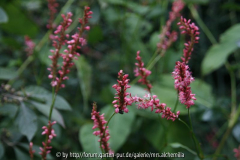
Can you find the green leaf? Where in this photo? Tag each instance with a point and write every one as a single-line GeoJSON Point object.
{"type": "Point", "coordinates": [118, 133]}
{"type": "Point", "coordinates": [84, 75]}
{"type": "Point", "coordinates": [27, 122]}
{"type": "Point", "coordinates": [46, 97]}
{"type": "Point", "coordinates": [197, 1]}
{"type": "Point", "coordinates": [9, 109]}
{"type": "Point", "coordinates": [177, 132]}
{"type": "Point", "coordinates": [203, 93]}
{"type": "Point", "coordinates": [7, 73]}
{"type": "Point", "coordinates": [236, 132]}
{"type": "Point", "coordinates": [179, 145]}
{"type": "Point", "coordinates": [231, 35]}
{"type": "Point", "coordinates": [95, 35]}
{"type": "Point", "coordinates": [202, 90]}
{"type": "Point", "coordinates": [3, 16]}
{"type": "Point", "coordinates": [154, 40]}
{"type": "Point", "coordinates": [154, 133]}
{"type": "Point", "coordinates": [45, 109]}
{"type": "Point", "coordinates": [2, 150]}
{"type": "Point", "coordinates": [89, 141]}
{"type": "Point", "coordinates": [217, 55]}
{"type": "Point", "coordinates": [20, 155]}
{"type": "Point", "coordinates": [23, 24]}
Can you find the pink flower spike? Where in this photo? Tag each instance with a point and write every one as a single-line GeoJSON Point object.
{"type": "Point", "coordinates": [30, 45]}
{"type": "Point", "coordinates": [121, 102]}
{"type": "Point", "coordinates": [60, 39]}
{"type": "Point", "coordinates": [48, 130]}
{"type": "Point", "coordinates": [193, 31]}
{"type": "Point", "coordinates": [103, 132]}
{"type": "Point", "coordinates": [167, 37]}
{"type": "Point", "coordinates": [31, 151]}
{"type": "Point", "coordinates": [142, 72]}
{"type": "Point", "coordinates": [183, 79]}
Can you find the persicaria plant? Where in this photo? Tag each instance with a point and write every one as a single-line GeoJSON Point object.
{"type": "Point", "coordinates": [119, 79]}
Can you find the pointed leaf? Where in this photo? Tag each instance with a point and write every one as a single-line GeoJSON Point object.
{"type": "Point", "coordinates": [20, 155]}
{"type": "Point", "coordinates": [46, 97]}
{"type": "Point", "coordinates": [2, 150]}
{"type": "Point", "coordinates": [3, 16]}
{"type": "Point", "coordinates": [89, 141]}
{"type": "Point", "coordinates": [7, 73]}
{"type": "Point", "coordinates": [27, 122]}
{"type": "Point", "coordinates": [45, 109]}
{"type": "Point", "coordinates": [118, 134]}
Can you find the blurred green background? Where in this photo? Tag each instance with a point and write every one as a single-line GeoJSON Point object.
{"type": "Point", "coordinates": [119, 28]}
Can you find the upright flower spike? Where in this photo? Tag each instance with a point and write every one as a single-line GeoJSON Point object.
{"type": "Point", "coordinates": [30, 45]}
{"type": "Point", "coordinates": [58, 40]}
{"type": "Point", "coordinates": [237, 152]}
{"type": "Point", "coordinates": [142, 72]}
{"type": "Point", "coordinates": [49, 131]}
{"type": "Point", "coordinates": [31, 151]}
{"type": "Point", "coordinates": [103, 132]}
{"type": "Point", "coordinates": [167, 37]}
{"type": "Point", "coordinates": [52, 5]}
{"type": "Point", "coordinates": [181, 73]}
{"type": "Point", "coordinates": [121, 101]}
{"type": "Point", "coordinates": [183, 79]}
{"type": "Point", "coordinates": [70, 53]}
{"type": "Point", "coordinates": [193, 31]}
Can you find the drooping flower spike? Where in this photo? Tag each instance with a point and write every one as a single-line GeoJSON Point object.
{"type": "Point", "coordinates": [49, 131]}
{"type": "Point", "coordinates": [154, 103]}
{"type": "Point", "coordinates": [103, 133]}
{"type": "Point", "coordinates": [142, 72]}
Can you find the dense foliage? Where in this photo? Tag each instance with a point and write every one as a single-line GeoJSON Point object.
{"type": "Point", "coordinates": [118, 29]}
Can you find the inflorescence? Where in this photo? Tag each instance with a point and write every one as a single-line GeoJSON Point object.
{"type": "Point", "coordinates": [142, 72]}
{"type": "Point", "coordinates": [60, 39]}
{"type": "Point", "coordinates": [181, 73]}
{"type": "Point", "coordinates": [103, 132]}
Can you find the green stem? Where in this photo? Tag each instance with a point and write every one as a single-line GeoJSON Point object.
{"type": "Point", "coordinates": [109, 121]}
{"type": "Point", "coordinates": [233, 88]}
{"type": "Point", "coordinates": [231, 124]}
{"type": "Point", "coordinates": [176, 104]}
{"type": "Point", "coordinates": [196, 142]}
{"type": "Point", "coordinates": [202, 24]}
{"type": "Point", "coordinates": [52, 106]}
